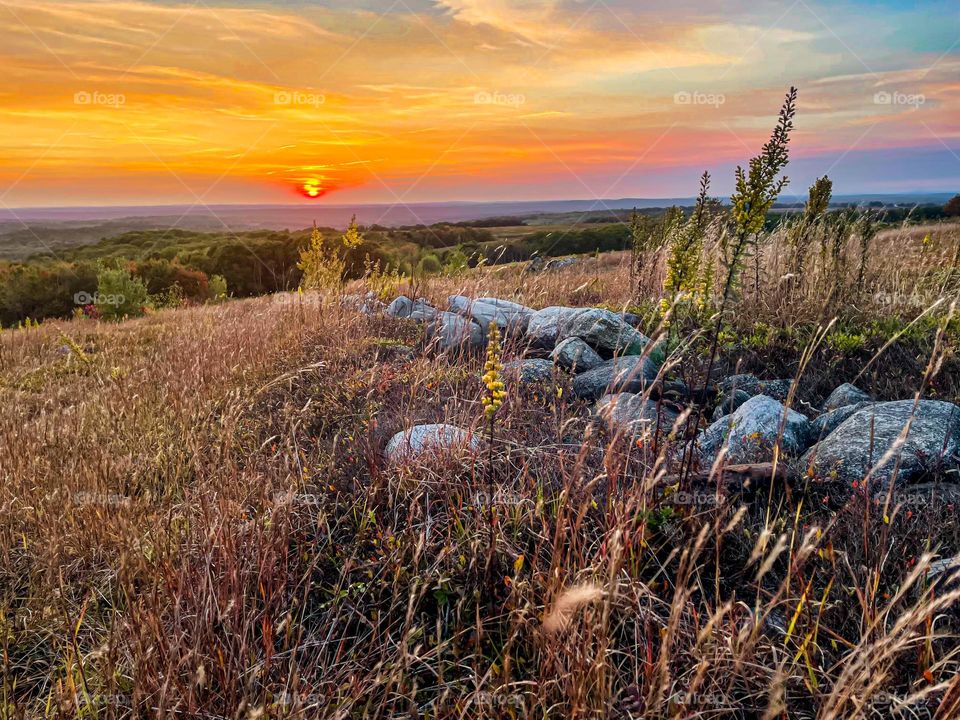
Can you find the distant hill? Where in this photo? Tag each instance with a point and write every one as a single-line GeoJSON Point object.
{"type": "Point", "coordinates": [26, 231]}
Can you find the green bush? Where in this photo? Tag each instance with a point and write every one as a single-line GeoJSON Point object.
{"type": "Point", "coordinates": [120, 294]}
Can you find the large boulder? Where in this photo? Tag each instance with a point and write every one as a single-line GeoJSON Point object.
{"type": "Point", "coordinates": [528, 372]}
{"type": "Point", "coordinates": [826, 423]}
{"type": "Point", "coordinates": [750, 433]}
{"type": "Point", "coordinates": [729, 402]}
{"type": "Point", "coordinates": [636, 415]}
{"type": "Point", "coordinates": [419, 310]}
{"type": "Point", "coordinates": [844, 395]}
{"type": "Point", "coordinates": [865, 439]}
{"type": "Point", "coordinates": [546, 325]}
{"type": "Point", "coordinates": [752, 385]}
{"type": "Point", "coordinates": [453, 332]}
{"type": "Point", "coordinates": [509, 317]}
{"type": "Point", "coordinates": [435, 438]}
{"type": "Point", "coordinates": [630, 373]}
{"type": "Point", "coordinates": [575, 355]}
{"type": "Point", "coordinates": [606, 332]}
{"type": "Point", "coordinates": [401, 307]}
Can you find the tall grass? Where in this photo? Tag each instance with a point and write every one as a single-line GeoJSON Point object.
{"type": "Point", "coordinates": [197, 520]}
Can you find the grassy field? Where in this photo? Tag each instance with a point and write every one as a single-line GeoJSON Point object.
{"type": "Point", "coordinates": [196, 519]}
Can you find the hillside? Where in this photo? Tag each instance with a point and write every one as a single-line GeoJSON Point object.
{"type": "Point", "coordinates": [208, 510]}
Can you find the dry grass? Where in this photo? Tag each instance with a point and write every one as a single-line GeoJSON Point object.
{"type": "Point", "coordinates": [196, 521]}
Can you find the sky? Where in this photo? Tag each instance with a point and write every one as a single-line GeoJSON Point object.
{"type": "Point", "coordinates": [114, 102]}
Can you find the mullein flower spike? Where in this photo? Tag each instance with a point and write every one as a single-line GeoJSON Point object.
{"type": "Point", "coordinates": [492, 376]}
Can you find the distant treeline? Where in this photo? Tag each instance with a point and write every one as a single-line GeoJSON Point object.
{"type": "Point", "coordinates": [182, 262]}
{"type": "Point", "coordinates": [261, 262]}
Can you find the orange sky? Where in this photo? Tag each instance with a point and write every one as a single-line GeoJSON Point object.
{"type": "Point", "coordinates": [134, 102]}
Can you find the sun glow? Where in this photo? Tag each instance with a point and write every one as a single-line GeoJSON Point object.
{"type": "Point", "coordinates": [312, 189]}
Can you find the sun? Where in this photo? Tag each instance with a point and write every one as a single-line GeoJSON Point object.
{"type": "Point", "coordinates": [312, 188]}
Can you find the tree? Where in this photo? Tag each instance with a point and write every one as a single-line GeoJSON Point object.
{"type": "Point", "coordinates": [952, 208]}
{"type": "Point", "coordinates": [322, 266]}
{"type": "Point", "coordinates": [120, 294]}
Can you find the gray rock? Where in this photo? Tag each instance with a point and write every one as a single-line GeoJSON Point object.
{"type": "Point", "coordinates": [508, 319]}
{"type": "Point", "coordinates": [750, 433]}
{"type": "Point", "coordinates": [752, 385]}
{"type": "Point", "coordinates": [436, 438]}
{"type": "Point", "coordinates": [777, 389]}
{"type": "Point", "coordinates": [507, 305]}
{"type": "Point", "coordinates": [453, 332]}
{"type": "Point", "coordinates": [419, 310]}
{"type": "Point", "coordinates": [558, 263]}
{"type": "Point", "coordinates": [729, 402]}
{"type": "Point", "coordinates": [629, 373]}
{"type": "Point", "coordinates": [401, 307]}
{"type": "Point", "coordinates": [830, 421]}
{"type": "Point", "coordinates": [528, 372]}
{"type": "Point", "coordinates": [546, 325]}
{"type": "Point", "coordinates": [605, 331]}
{"type": "Point", "coordinates": [575, 355]}
{"type": "Point", "coordinates": [632, 319]}
{"type": "Point", "coordinates": [863, 440]}
{"type": "Point", "coordinates": [846, 394]}
{"type": "Point", "coordinates": [748, 383]}
{"type": "Point", "coordinates": [636, 415]}
{"type": "Point", "coordinates": [365, 304]}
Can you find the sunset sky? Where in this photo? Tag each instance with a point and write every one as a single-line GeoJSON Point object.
{"type": "Point", "coordinates": [151, 102]}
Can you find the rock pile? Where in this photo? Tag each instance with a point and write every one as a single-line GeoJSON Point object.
{"type": "Point", "coordinates": [852, 438]}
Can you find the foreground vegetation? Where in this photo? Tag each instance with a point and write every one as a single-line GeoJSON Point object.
{"type": "Point", "coordinates": [197, 518]}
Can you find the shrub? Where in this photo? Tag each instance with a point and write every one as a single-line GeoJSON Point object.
{"type": "Point", "coordinates": [217, 288]}
{"type": "Point", "coordinates": [120, 294]}
{"type": "Point", "coordinates": [952, 208]}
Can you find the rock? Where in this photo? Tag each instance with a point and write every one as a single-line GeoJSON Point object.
{"type": "Point", "coordinates": [401, 307]}
{"type": "Point", "coordinates": [777, 389]}
{"type": "Point", "coordinates": [636, 415]}
{"type": "Point", "coordinates": [365, 304]}
{"type": "Point", "coordinates": [419, 310]}
{"type": "Point", "coordinates": [604, 331]}
{"type": "Point", "coordinates": [575, 355]}
{"type": "Point", "coordinates": [752, 385]}
{"type": "Point", "coordinates": [862, 441]}
{"type": "Point", "coordinates": [546, 325]}
{"type": "Point", "coordinates": [730, 401]}
{"type": "Point", "coordinates": [528, 372]}
{"type": "Point", "coordinates": [750, 433]}
{"type": "Point", "coordinates": [558, 263]}
{"type": "Point", "coordinates": [748, 383]}
{"type": "Point", "coordinates": [507, 305]}
{"type": "Point", "coordinates": [630, 373]}
{"type": "Point", "coordinates": [632, 319]}
{"type": "Point", "coordinates": [508, 319]}
{"type": "Point", "coordinates": [453, 332]}
{"type": "Point", "coordinates": [846, 394]}
{"type": "Point", "coordinates": [535, 265]}
{"type": "Point", "coordinates": [830, 421]}
{"type": "Point", "coordinates": [420, 439]}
